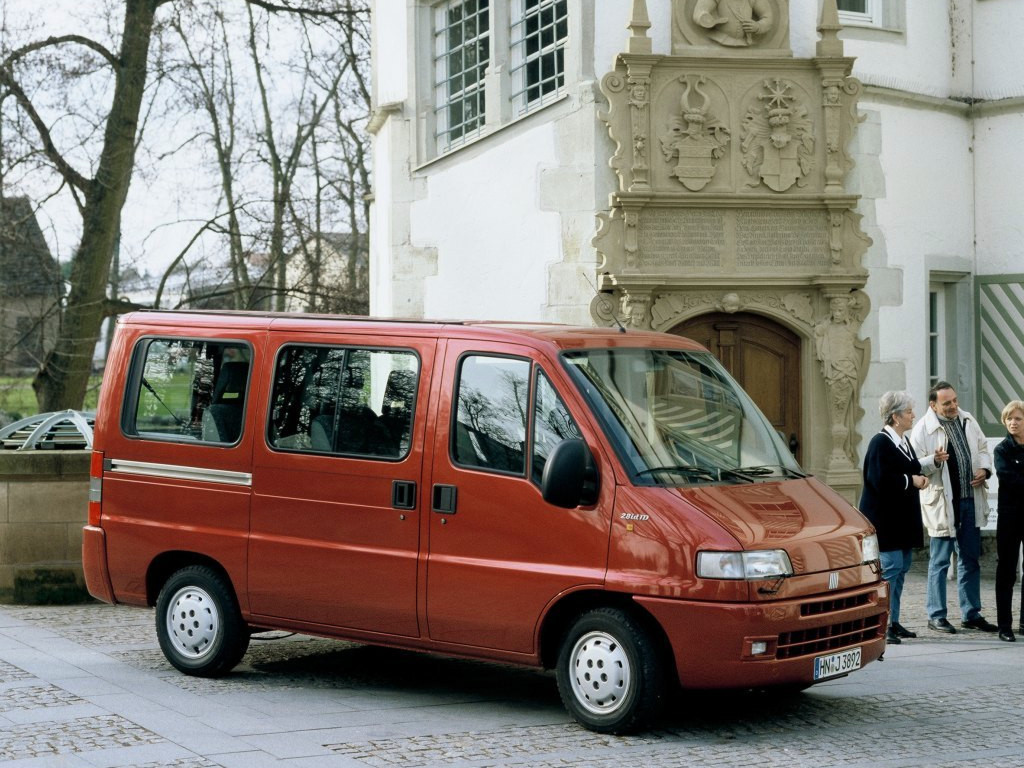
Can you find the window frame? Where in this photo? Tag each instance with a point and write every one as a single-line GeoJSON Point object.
{"type": "Point", "coordinates": [333, 454]}
{"type": "Point", "coordinates": [520, 60]}
{"type": "Point", "coordinates": [872, 15]}
{"type": "Point", "coordinates": [133, 390]}
{"type": "Point", "coordinates": [538, 372]}
{"type": "Point", "coordinates": [500, 93]}
{"type": "Point", "coordinates": [453, 419]}
{"type": "Point", "coordinates": [442, 104]}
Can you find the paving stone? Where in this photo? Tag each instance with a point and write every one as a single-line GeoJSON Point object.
{"type": "Point", "coordinates": [78, 735]}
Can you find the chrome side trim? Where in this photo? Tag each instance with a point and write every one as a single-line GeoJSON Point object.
{"type": "Point", "coordinates": [181, 473]}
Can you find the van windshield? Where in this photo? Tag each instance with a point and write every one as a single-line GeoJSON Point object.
{"type": "Point", "coordinates": [678, 418]}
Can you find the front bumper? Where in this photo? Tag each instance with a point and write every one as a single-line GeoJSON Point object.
{"type": "Point", "coordinates": [713, 643]}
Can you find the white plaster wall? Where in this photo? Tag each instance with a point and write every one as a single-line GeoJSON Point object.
{"type": "Point", "coordinates": [393, 42]}
{"type": "Point", "coordinates": [999, 156]}
{"type": "Point", "coordinates": [929, 57]}
{"type": "Point", "coordinates": [493, 242]}
{"type": "Point", "coordinates": [998, 51]}
{"type": "Point", "coordinates": [921, 217]}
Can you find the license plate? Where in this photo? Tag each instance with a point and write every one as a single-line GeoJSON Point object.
{"type": "Point", "coordinates": [836, 664]}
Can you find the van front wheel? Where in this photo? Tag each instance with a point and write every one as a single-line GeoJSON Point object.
{"type": "Point", "coordinates": [610, 672]}
{"type": "Point", "coordinates": [198, 623]}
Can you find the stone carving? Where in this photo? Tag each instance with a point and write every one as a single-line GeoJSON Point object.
{"type": "Point", "coordinates": [627, 309]}
{"type": "Point", "coordinates": [731, 27]}
{"type": "Point", "coordinates": [730, 303]}
{"type": "Point", "coordinates": [734, 23]}
{"type": "Point", "coordinates": [799, 306]}
{"type": "Point", "coordinates": [672, 308]}
{"type": "Point", "coordinates": [842, 357]}
{"type": "Point", "coordinates": [636, 310]}
{"type": "Point", "coordinates": [695, 137]}
{"type": "Point", "coordinates": [639, 106]}
{"type": "Point", "coordinates": [777, 138]}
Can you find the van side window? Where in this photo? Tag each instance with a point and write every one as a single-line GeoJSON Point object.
{"type": "Point", "coordinates": [190, 389]}
{"type": "Point", "coordinates": [552, 423]}
{"type": "Point", "coordinates": [490, 424]}
{"type": "Point", "coordinates": [350, 402]}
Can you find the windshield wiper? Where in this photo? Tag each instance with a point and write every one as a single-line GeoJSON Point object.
{"type": "Point", "coordinates": [681, 469]}
{"type": "Point", "coordinates": [769, 469]}
{"type": "Point", "coordinates": [742, 474]}
{"type": "Point", "coordinates": [717, 473]}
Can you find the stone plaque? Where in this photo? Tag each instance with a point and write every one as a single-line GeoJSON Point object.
{"type": "Point", "coordinates": [687, 237]}
{"type": "Point", "coordinates": [780, 238]}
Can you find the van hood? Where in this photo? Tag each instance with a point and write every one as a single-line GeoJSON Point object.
{"type": "Point", "coordinates": [817, 527]}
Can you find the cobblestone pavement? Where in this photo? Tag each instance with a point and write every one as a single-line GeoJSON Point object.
{"type": "Point", "coordinates": [87, 686]}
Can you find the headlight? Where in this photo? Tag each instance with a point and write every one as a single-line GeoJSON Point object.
{"type": "Point", "coordinates": [762, 564]}
{"type": "Point", "coordinates": [869, 548]}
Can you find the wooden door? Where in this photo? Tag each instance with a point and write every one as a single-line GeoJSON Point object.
{"type": "Point", "coordinates": [763, 356]}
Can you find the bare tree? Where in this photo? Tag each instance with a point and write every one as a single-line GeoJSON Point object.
{"type": "Point", "coordinates": [95, 161]}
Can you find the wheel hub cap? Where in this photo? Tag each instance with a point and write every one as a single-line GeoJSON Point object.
{"type": "Point", "coordinates": [601, 674]}
{"type": "Point", "coordinates": [192, 622]}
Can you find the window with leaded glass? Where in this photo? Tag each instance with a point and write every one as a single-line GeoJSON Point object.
{"type": "Point", "coordinates": [540, 29]}
{"type": "Point", "coordinates": [461, 54]}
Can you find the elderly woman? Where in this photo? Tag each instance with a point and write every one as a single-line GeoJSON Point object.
{"type": "Point", "coordinates": [892, 481]}
{"type": "Point", "coordinates": [1009, 455]}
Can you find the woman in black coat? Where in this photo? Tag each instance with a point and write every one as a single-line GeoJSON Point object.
{"type": "Point", "coordinates": [890, 499]}
{"type": "Point", "coordinates": [1009, 455]}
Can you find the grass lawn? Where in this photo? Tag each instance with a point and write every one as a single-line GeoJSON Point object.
{"type": "Point", "coordinates": [18, 400]}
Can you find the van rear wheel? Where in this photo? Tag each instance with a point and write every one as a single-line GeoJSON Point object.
{"type": "Point", "coordinates": [610, 672]}
{"type": "Point", "coordinates": [199, 624]}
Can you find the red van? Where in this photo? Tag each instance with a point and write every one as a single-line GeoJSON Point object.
{"type": "Point", "coordinates": [606, 503]}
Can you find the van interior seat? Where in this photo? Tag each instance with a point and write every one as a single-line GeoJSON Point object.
{"type": "Point", "coordinates": [222, 420]}
{"type": "Point", "coordinates": [396, 408]}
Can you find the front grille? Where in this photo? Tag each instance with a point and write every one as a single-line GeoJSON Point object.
{"type": "Point", "coordinates": [838, 604]}
{"type": "Point", "coordinates": [809, 642]}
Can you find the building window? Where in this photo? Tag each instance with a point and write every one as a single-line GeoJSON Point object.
{"type": "Point", "coordinates": [936, 334]}
{"type": "Point", "coordinates": [493, 62]}
{"type": "Point", "coordinates": [461, 55]}
{"type": "Point", "coordinates": [540, 30]}
{"type": "Point", "coordinates": [860, 12]}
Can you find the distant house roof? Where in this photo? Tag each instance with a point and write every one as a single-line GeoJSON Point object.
{"type": "Point", "coordinates": [26, 266]}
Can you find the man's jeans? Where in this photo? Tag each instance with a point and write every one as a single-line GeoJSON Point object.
{"type": "Point", "coordinates": [895, 564]}
{"type": "Point", "coordinates": [967, 545]}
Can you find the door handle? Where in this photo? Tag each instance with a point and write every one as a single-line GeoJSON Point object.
{"type": "Point", "coordinates": [443, 499]}
{"type": "Point", "coordinates": [403, 494]}
{"type": "Point", "coordinates": [794, 444]}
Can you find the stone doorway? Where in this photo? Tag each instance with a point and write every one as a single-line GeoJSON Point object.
{"type": "Point", "coordinates": [764, 357]}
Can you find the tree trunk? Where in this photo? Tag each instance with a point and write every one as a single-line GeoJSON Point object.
{"type": "Point", "coordinates": [62, 381]}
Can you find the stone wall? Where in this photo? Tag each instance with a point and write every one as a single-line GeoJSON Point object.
{"type": "Point", "coordinates": [43, 506]}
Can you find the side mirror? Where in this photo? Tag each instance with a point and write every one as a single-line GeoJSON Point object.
{"type": "Point", "coordinates": [570, 477]}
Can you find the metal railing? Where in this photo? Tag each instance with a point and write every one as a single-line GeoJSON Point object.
{"type": "Point", "coordinates": [59, 430]}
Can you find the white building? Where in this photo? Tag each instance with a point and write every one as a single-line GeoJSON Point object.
{"type": "Point", "coordinates": [830, 237]}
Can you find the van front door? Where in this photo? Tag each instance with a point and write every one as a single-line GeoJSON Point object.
{"type": "Point", "coordinates": [337, 483]}
{"type": "Point", "coordinates": [498, 553]}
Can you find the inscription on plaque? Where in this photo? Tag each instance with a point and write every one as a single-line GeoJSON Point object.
{"type": "Point", "coordinates": [774, 238]}
{"type": "Point", "coordinates": [681, 238]}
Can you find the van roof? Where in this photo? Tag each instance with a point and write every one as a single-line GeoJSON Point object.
{"type": "Point", "coordinates": [562, 336]}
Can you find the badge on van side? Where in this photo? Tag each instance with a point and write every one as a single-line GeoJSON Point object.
{"type": "Point", "coordinates": [634, 516]}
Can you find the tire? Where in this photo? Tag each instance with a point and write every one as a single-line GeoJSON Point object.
{"type": "Point", "coordinates": [198, 623]}
{"type": "Point", "coordinates": [610, 672]}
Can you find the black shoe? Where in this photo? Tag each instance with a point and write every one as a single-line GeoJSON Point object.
{"type": "Point", "coordinates": [1007, 635]}
{"type": "Point", "coordinates": [979, 623]}
{"type": "Point", "coordinates": [902, 631]}
{"type": "Point", "coordinates": [891, 637]}
{"type": "Point", "coordinates": [941, 625]}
